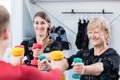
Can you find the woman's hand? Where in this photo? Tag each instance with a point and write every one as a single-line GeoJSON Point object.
{"type": "Point", "coordinates": [44, 65]}
{"type": "Point", "coordinates": [61, 64]}
{"type": "Point", "coordinates": [78, 68]}
{"type": "Point", "coordinates": [16, 60]}
{"type": "Point", "coordinates": [37, 52]}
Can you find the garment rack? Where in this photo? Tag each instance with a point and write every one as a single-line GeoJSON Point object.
{"type": "Point", "coordinates": [73, 12]}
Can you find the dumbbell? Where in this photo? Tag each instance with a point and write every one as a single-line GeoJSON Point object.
{"type": "Point", "coordinates": [76, 60]}
{"type": "Point", "coordinates": [34, 61]}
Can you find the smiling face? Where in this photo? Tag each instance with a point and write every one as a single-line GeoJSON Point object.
{"type": "Point", "coordinates": [98, 31]}
{"type": "Point", "coordinates": [40, 26]}
{"type": "Point", "coordinates": [97, 36]}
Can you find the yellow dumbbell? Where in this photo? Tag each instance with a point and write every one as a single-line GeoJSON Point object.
{"type": "Point", "coordinates": [57, 55]}
{"type": "Point", "coordinates": [18, 51]}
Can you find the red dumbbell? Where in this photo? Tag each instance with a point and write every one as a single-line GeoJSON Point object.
{"type": "Point", "coordinates": [34, 61]}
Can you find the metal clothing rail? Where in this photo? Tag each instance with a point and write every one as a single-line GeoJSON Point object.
{"type": "Point", "coordinates": [74, 12]}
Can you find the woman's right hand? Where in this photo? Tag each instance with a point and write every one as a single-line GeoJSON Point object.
{"type": "Point", "coordinates": [37, 52]}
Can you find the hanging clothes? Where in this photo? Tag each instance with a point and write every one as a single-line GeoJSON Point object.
{"type": "Point", "coordinates": [82, 41]}
{"type": "Point", "coordinates": [59, 34]}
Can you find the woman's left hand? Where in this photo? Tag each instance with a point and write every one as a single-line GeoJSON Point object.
{"type": "Point", "coordinates": [44, 65]}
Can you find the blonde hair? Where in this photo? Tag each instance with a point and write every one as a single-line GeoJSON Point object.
{"type": "Point", "coordinates": [101, 22]}
{"type": "Point", "coordinates": [4, 18]}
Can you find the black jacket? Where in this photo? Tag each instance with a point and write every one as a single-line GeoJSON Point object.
{"type": "Point", "coordinates": [55, 45]}
{"type": "Point", "coordinates": [109, 58]}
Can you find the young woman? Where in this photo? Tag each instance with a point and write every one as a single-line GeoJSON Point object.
{"type": "Point", "coordinates": [42, 27]}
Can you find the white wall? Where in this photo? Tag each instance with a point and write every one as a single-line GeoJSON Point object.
{"type": "Point", "coordinates": [54, 10]}
{"type": "Point", "coordinates": [70, 20]}
{"type": "Point", "coordinates": [27, 22]}
{"type": "Point", "coordinates": [16, 21]}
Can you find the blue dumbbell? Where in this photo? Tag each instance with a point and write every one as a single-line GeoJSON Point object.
{"type": "Point", "coordinates": [76, 60]}
{"type": "Point", "coordinates": [41, 58]}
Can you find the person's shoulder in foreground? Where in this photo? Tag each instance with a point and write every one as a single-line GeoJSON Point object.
{"type": "Point", "coordinates": [10, 72]}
